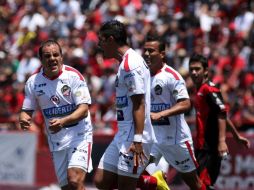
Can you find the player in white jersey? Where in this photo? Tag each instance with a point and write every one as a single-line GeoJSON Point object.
{"type": "Point", "coordinates": [126, 156]}
{"type": "Point", "coordinates": [169, 101]}
{"type": "Point", "coordinates": [61, 93]}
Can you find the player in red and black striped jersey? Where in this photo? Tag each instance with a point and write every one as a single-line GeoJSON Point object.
{"type": "Point", "coordinates": [211, 121]}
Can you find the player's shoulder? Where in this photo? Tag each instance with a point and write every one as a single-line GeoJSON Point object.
{"type": "Point", "coordinates": [132, 60]}
{"type": "Point", "coordinates": [209, 86]}
{"type": "Point", "coordinates": [73, 72]}
{"type": "Point", "coordinates": [35, 76]}
{"type": "Point", "coordinates": [172, 73]}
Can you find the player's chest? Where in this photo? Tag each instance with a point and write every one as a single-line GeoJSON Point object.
{"type": "Point", "coordinates": [159, 87]}
{"type": "Point", "coordinates": [53, 94]}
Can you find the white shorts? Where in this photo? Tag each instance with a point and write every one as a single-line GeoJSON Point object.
{"type": "Point", "coordinates": [180, 156]}
{"type": "Point", "coordinates": [78, 156]}
{"type": "Point", "coordinates": [116, 160]}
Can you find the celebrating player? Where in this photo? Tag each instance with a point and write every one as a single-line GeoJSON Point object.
{"type": "Point", "coordinates": [61, 93]}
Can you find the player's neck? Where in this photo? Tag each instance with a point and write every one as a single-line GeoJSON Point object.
{"type": "Point", "coordinates": [120, 52]}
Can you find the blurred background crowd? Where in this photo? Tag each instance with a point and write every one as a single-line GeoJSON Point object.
{"type": "Point", "coordinates": [222, 30]}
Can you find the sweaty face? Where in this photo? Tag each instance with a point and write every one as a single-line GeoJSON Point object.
{"type": "Point", "coordinates": [152, 56]}
{"type": "Point", "coordinates": [197, 73]}
{"type": "Point", "coordinates": [51, 60]}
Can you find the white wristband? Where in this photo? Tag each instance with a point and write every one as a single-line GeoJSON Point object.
{"type": "Point", "coordinates": [137, 138]}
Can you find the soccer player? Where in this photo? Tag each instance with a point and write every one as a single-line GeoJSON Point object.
{"type": "Point", "coordinates": [61, 93]}
{"type": "Point", "coordinates": [169, 102]}
{"type": "Point", "coordinates": [211, 121]}
{"type": "Point", "coordinates": [126, 156]}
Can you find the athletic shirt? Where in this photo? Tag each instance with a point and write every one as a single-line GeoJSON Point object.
{"type": "Point", "coordinates": [209, 105]}
{"type": "Point", "coordinates": [133, 77]}
{"type": "Point", "coordinates": [168, 86]}
{"type": "Point", "coordinates": [57, 98]}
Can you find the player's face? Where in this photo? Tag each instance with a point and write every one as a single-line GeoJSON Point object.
{"type": "Point", "coordinates": [197, 73]}
{"type": "Point", "coordinates": [51, 60]}
{"type": "Point", "coordinates": [152, 56]}
{"type": "Point", "coordinates": [104, 45]}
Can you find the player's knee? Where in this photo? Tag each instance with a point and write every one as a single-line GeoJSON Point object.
{"type": "Point", "coordinates": [98, 182]}
{"type": "Point", "coordinates": [75, 182]}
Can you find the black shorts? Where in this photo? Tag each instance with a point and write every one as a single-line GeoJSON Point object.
{"type": "Point", "coordinates": [209, 166]}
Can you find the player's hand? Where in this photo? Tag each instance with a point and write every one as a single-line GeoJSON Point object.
{"type": "Point", "coordinates": [55, 125]}
{"type": "Point", "coordinates": [25, 123]}
{"type": "Point", "coordinates": [155, 116]}
{"type": "Point", "coordinates": [138, 153]}
{"type": "Point", "coordinates": [223, 149]}
{"type": "Point", "coordinates": [244, 141]}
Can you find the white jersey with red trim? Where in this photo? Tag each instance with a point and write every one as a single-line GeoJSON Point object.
{"type": "Point", "coordinates": [56, 98]}
{"type": "Point", "coordinates": [168, 86]}
{"type": "Point", "coordinates": [133, 78]}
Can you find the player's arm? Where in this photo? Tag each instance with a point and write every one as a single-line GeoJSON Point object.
{"type": "Point", "coordinates": [138, 111]}
{"type": "Point", "coordinates": [222, 146]}
{"type": "Point", "coordinates": [240, 139]}
{"type": "Point", "coordinates": [25, 118]}
{"type": "Point", "coordinates": [80, 113]}
{"type": "Point", "coordinates": [215, 100]}
{"type": "Point", "coordinates": [182, 106]}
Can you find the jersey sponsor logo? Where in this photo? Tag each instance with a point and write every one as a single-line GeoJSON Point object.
{"type": "Point", "coordinates": [66, 90]}
{"type": "Point", "coordinates": [39, 85]}
{"type": "Point", "coordinates": [40, 92]}
{"type": "Point", "coordinates": [159, 107]}
{"type": "Point", "coordinates": [59, 111]}
{"type": "Point", "coordinates": [182, 162]}
{"type": "Point", "coordinates": [126, 159]}
{"type": "Point", "coordinates": [121, 102]}
{"type": "Point", "coordinates": [158, 89]}
{"type": "Point", "coordinates": [55, 99]}
{"type": "Point", "coordinates": [129, 75]}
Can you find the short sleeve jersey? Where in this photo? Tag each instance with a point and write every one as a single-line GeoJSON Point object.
{"type": "Point", "coordinates": [57, 98]}
{"type": "Point", "coordinates": [209, 106]}
{"type": "Point", "coordinates": [168, 86]}
{"type": "Point", "coordinates": [133, 77]}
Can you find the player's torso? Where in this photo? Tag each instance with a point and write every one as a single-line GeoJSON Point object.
{"type": "Point", "coordinates": [133, 77]}
{"type": "Point", "coordinates": [56, 100]}
{"type": "Point", "coordinates": [169, 130]}
{"type": "Point", "coordinates": [206, 118]}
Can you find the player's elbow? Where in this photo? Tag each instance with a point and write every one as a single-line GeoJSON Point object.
{"type": "Point", "coordinates": [185, 104]}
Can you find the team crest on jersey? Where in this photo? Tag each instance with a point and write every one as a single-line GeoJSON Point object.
{"type": "Point", "coordinates": [66, 90]}
{"type": "Point", "coordinates": [55, 99]}
{"type": "Point", "coordinates": [158, 89]}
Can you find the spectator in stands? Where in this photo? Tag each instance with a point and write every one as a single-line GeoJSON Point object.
{"type": "Point", "coordinates": [27, 65]}
{"type": "Point", "coordinates": [61, 93]}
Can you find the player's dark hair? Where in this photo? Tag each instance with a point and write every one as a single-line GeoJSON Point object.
{"type": "Point", "coordinates": [116, 29]}
{"type": "Point", "coordinates": [47, 43]}
{"type": "Point", "coordinates": [154, 37]}
{"type": "Point", "coordinates": [199, 58]}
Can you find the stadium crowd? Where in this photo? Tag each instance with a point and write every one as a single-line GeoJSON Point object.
{"type": "Point", "coordinates": [221, 30]}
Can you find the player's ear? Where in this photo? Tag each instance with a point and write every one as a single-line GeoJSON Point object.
{"type": "Point", "coordinates": [163, 55]}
